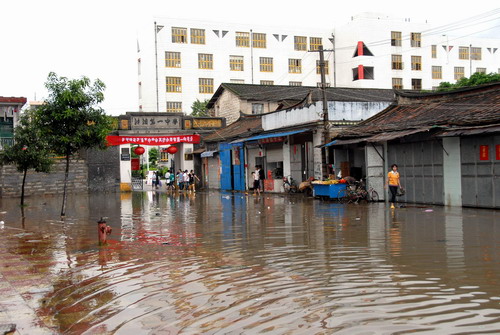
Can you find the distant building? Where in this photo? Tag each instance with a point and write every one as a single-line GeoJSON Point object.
{"type": "Point", "coordinates": [374, 50]}
{"type": "Point", "coordinates": [10, 107]}
{"type": "Point", "coordinates": [195, 57]}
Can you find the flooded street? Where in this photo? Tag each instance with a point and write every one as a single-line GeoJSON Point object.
{"type": "Point", "coordinates": [224, 263]}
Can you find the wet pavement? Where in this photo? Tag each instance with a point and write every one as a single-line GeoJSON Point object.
{"type": "Point", "coordinates": [224, 263]}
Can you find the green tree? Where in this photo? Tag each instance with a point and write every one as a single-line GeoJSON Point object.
{"type": "Point", "coordinates": [30, 150]}
{"type": "Point", "coordinates": [153, 157]}
{"type": "Point", "coordinates": [474, 80]}
{"type": "Point", "coordinates": [71, 120]}
{"type": "Point", "coordinates": [199, 108]}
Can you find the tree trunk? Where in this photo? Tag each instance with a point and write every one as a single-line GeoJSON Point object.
{"type": "Point", "coordinates": [22, 187]}
{"type": "Point", "coordinates": [66, 173]}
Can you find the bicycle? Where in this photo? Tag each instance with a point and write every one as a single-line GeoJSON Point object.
{"type": "Point", "coordinates": [355, 192]}
{"type": "Point", "coordinates": [289, 185]}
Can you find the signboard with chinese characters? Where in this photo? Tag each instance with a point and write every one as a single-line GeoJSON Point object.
{"type": "Point", "coordinates": [207, 123]}
{"type": "Point", "coordinates": [152, 140]}
{"type": "Point", "coordinates": [484, 152]}
{"type": "Point", "coordinates": [155, 122]}
{"type": "Point", "coordinates": [271, 140]}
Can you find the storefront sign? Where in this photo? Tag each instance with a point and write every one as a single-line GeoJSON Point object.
{"type": "Point", "coordinates": [152, 140]}
{"type": "Point", "coordinates": [125, 157]}
{"type": "Point", "coordinates": [484, 152]}
{"type": "Point", "coordinates": [271, 140]}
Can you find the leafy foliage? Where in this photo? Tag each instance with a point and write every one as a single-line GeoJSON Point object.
{"type": "Point", "coordinates": [70, 119]}
{"type": "Point", "coordinates": [199, 108]}
{"type": "Point", "coordinates": [474, 80]}
{"type": "Point", "coordinates": [30, 150]}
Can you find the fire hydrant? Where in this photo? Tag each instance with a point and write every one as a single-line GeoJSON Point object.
{"type": "Point", "coordinates": [103, 230]}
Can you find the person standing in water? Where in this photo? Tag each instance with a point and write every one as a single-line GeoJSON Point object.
{"type": "Point", "coordinates": [393, 182]}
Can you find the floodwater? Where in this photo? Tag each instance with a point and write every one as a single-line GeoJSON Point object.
{"type": "Point", "coordinates": [224, 263]}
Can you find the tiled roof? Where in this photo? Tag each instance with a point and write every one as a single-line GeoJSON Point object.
{"type": "Point", "coordinates": [290, 94]}
{"type": "Point", "coordinates": [245, 126]}
{"type": "Point", "coordinates": [474, 106]}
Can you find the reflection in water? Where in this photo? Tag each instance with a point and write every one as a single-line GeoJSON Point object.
{"type": "Point", "coordinates": [231, 263]}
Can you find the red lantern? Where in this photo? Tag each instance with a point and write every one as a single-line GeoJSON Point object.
{"type": "Point", "coordinates": [139, 150]}
{"type": "Point", "coordinates": [172, 150]}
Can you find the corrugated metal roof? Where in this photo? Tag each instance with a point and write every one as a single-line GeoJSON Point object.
{"type": "Point", "coordinates": [280, 134]}
{"type": "Point", "coordinates": [245, 126]}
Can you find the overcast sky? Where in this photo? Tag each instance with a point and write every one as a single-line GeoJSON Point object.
{"type": "Point", "coordinates": [97, 38]}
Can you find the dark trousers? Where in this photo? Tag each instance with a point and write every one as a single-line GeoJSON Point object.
{"type": "Point", "coordinates": [394, 191]}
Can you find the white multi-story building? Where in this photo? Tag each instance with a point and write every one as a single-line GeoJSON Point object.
{"type": "Point", "coordinates": [376, 51]}
{"type": "Point", "coordinates": [180, 60]}
{"type": "Point", "coordinates": [193, 58]}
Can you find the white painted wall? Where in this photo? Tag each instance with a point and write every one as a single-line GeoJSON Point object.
{"type": "Point", "coordinates": [125, 168]}
{"type": "Point", "coordinates": [452, 172]}
{"type": "Point", "coordinates": [337, 111]}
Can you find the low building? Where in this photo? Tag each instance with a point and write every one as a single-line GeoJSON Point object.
{"type": "Point", "coordinates": [447, 146]}
{"type": "Point", "coordinates": [293, 127]}
{"type": "Point", "coordinates": [10, 108]}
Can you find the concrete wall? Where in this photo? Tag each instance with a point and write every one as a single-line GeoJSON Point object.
{"type": "Point", "coordinates": [103, 168]}
{"type": "Point", "coordinates": [228, 106]}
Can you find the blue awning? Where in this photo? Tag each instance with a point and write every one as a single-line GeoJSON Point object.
{"type": "Point", "coordinates": [260, 137]}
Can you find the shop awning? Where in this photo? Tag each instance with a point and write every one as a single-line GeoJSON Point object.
{"type": "Point", "coordinates": [394, 134]}
{"type": "Point", "coordinates": [470, 131]}
{"type": "Point", "coordinates": [208, 154]}
{"type": "Point", "coordinates": [260, 137]}
{"type": "Point", "coordinates": [342, 142]}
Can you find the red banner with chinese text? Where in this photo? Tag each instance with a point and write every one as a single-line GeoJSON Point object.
{"type": "Point", "coordinates": [152, 140]}
{"type": "Point", "coordinates": [484, 152]}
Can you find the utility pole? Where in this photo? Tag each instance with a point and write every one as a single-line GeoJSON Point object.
{"type": "Point", "coordinates": [157, 29]}
{"type": "Point", "coordinates": [334, 62]}
{"type": "Point", "coordinates": [326, 124]}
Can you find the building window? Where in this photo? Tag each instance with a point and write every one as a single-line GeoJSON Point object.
{"type": "Point", "coordinates": [437, 72]}
{"type": "Point", "coordinates": [416, 63]}
{"type": "Point", "coordinates": [480, 70]}
{"type": "Point", "coordinates": [257, 108]}
{"type": "Point", "coordinates": [172, 59]}
{"type": "Point", "coordinates": [174, 107]}
{"type": "Point", "coordinates": [363, 72]}
{"type": "Point", "coordinates": [416, 84]}
{"type": "Point", "coordinates": [179, 35]}
{"type": "Point", "coordinates": [434, 51]}
{"type": "Point", "coordinates": [294, 65]}
{"type": "Point", "coordinates": [267, 82]}
{"type": "Point", "coordinates": [318, 68]}
{"type": "Point", "coordinates": [206, 85]}
{"type": "Point", "coordinates": [259, 40]}
{"type": "Point", "coordinates": [206, 61]}
{"type": "Point", "coordinates": [475, 53]}
{"type": "Point", "coordinates": [315, 43]}
{"type": "Point", "coordinates": [459, 72]}
{"type": "Point", "coordinates": [396, 38]}
{"type": "Point", "coordinates": [197, 36]}
{"type": "Point", "coordinates": [416, 40]}
{"type": "Point", "coordinates": [236, 63]}
{"type": "Point", "coordinates": [397, 83]}
{"type": "Point", "coordinates": [295, 83]}
{"type": "Point", "coordinates": [397, 62]}
{"type": "Point", "coordinates": [300, 43]}
{"type": "Point", "coordinates": [174, 84]}
{"type": "Point", "coordinates": [237, 81]}
{"type": "Point", "coordinates": [463, 52]}
{"type": "Point", "coordinates": [266, 64]}
{"type": "Point", "coordinates": [242, 39]}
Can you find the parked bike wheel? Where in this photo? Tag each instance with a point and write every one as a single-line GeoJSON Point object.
{"type": "Point", "coordinates": [343, 197]}
{"type": "Point", "coordinates": [374, 196]}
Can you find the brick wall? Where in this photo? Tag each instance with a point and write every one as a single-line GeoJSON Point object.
{"type": "Point", "coordinates": [44, 183]}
